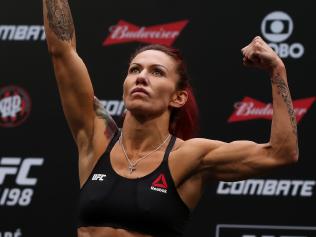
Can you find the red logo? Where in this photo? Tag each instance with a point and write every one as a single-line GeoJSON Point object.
{"type": "Point", "coordinates": [160, 182]}
{"type": "Point", "coordinates": [249, 109]}
{"type": "Point", "coordinates": [125, 32]}
{"type": "Point", "coordinates": [15, 106]}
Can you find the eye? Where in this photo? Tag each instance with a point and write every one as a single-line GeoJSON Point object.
{"type": "Point", "coordinates": [134, 70]}
{"type": "Point", "coordinates": [157, 72]}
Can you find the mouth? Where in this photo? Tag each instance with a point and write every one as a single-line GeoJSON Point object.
{"type": "Point", "coordinates": [139, 90]}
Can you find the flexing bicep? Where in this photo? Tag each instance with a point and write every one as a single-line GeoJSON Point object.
{"type": "Point", "coordinates": [236, 160]}
{"type": "Point", "coordinates": [239, 160]}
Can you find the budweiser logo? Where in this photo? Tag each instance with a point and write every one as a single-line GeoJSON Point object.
{"type": "Point", "coordinates": [249, 108]}
{"type": "Point", "coordinates": [125, 32]}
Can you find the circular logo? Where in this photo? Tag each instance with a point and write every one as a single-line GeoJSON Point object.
{"type": "Point", "coordinates": [15, 106]}
{"type": "Point", "coordinates": [277, 26]}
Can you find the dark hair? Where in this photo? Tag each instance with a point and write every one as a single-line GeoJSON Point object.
{"type": "Point", "coordinates": [184, 120]}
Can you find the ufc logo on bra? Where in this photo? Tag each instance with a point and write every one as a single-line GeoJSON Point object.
{"type": "Point", "coordinates": [98, 177]}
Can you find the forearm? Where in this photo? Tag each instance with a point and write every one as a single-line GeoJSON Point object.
{"type": "Point", "coordinates": [283, 130]}
{"type": "Point", "coordinates": [59, 27]}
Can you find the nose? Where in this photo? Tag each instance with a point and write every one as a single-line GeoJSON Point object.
{"type": "Point", "coordinates": [142, 78]}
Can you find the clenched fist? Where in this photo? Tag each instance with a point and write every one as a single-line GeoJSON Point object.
{"type": "Point", "coordinates": [260, 55]}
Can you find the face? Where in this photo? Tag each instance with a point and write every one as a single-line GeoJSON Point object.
{"type": "Point", "coordinates": [150, 85]}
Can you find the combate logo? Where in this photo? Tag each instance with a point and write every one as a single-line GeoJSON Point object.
{"type": "Point", "coordinates": [22, 33]}
{"type": "Point", "coordinates": [125, 32]}
{"type": "Point", "coordinates": [15, 106]}
{"type": "Point", "coordinates": [268, 187]}
{"type": "Point", "coordinates": [249, 109]}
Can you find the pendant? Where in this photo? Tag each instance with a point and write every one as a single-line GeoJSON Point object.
{"type": "Point", "coordinates": [131, 168]}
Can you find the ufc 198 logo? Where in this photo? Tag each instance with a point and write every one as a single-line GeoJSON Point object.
{"type": "Point", "coordinates": [277, 27]}
{"type": "Point", "coordinates": [19, 170]}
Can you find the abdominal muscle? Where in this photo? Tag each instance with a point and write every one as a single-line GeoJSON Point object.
{"type": "Point", "coordinates": [107, 232]}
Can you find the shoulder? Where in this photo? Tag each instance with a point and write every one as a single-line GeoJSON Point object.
{"type": "Point", "coordinates": [197, 146]}
{"type": "Point", "coordinates": [186, 158]}
{"type": "Point", "coordinates": [191, 152]}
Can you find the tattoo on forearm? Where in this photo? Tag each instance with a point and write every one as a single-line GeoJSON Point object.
{"type": "Point", "coordinates": [283, 90]}
{"type": "Point", "coordinates": [60, 19]}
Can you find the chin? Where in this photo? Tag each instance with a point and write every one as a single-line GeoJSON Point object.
{"type": "Point", "coordinates": [137, 107]}
{"type": "Point", "coordinates": [143, 110]}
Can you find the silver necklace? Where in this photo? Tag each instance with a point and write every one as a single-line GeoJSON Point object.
{"type": "Point", "coordinates": [132, 165]}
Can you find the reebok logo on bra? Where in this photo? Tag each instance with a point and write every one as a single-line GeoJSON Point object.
{"type": "Point", "coordinates": [98, 177]}
{"type": "Point", "coordinates": [160, 184]}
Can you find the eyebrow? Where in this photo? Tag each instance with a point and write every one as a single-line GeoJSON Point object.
{"type": "Point", "coordinates": [159, 65]}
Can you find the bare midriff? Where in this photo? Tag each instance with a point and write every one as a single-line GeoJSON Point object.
{"type": "Point", "coordinates": [107, 232]}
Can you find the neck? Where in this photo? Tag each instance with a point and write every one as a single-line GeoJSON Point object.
{"type": "Point", "coordinates": [141, 135]}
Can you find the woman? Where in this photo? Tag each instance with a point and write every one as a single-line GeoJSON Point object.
{"type": "Point", "coordinates": [142, 180]}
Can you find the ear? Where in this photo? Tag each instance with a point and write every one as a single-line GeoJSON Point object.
{"type": "Point", "coordinates": [179, 98]}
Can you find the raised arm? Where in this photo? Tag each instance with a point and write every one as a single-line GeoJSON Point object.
{"type": "Point", "coordinates": [72, 77]}
{"type": "Point", "coordinates": [242, 159]}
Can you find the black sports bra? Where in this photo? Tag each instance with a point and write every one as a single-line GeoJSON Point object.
{"type": "Point", "coordinates": [149, 205]}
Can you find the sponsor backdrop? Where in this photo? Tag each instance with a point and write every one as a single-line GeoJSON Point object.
{"type": "Point", "coordinates": [38, 160]}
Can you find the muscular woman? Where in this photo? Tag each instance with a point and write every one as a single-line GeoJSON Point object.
{"type": "Point", "coordinates": [144, 178]}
